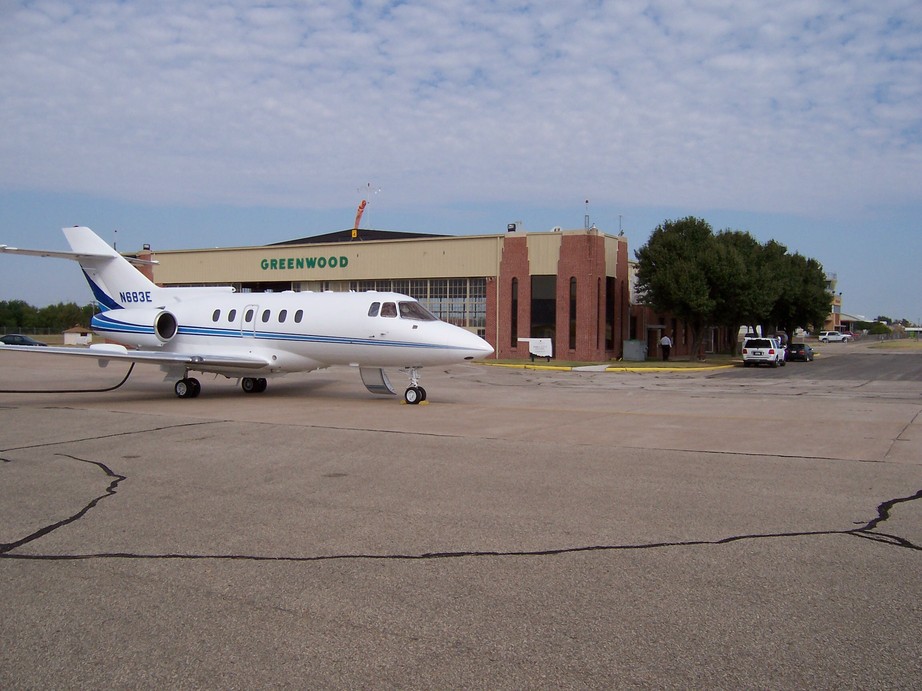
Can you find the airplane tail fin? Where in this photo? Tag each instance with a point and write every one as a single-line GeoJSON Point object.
{"type": "Point", "coordinates": [114, 281]}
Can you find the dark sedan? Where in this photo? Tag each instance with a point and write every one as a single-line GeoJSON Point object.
{"type": "Point", "coordinates": [800, 351]}
{"type": "Point", "coordinates": [20, 340]}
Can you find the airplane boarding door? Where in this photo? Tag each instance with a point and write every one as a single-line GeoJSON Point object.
{"type": "Point", "coordinates": [248, 321]}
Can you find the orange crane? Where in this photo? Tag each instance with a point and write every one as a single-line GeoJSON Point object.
{"type": "Point", "coordinates": [358, 218]}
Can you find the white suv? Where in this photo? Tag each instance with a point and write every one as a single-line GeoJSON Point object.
{"type": "Point", "coordinates": [833, 337]}
{"type": "Point", "coordinates": [763, 351]}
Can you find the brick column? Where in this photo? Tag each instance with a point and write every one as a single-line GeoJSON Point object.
{"type": "Point", "coordinates": [582, 256]}
{"type": "Point", "coordinates": [513, 265]}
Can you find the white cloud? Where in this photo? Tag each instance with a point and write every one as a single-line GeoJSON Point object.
{"type": "Point", "coordinates": [760, 106]}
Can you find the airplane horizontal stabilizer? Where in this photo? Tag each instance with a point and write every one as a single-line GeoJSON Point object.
{"type": "Point", "coordinates": [75, 256]}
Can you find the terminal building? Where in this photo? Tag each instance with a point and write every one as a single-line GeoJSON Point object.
{"type": "Point", "coordinates": [570, 286]}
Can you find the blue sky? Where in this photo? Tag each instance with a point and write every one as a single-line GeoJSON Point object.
{"type": "Point", "coordinates": [229, 123]}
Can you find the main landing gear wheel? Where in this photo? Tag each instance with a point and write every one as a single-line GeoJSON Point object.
{"type": "Point", "coordinates": [414, 395]}
{"type": "Point", "coordinates": [188, 388]}
{"type": "Point", "coordinates": [253, 385]}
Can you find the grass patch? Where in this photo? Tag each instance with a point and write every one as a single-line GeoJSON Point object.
{"type": "Point", "coordinates": [898, 344]}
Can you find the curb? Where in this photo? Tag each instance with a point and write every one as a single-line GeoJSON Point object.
{"type": "Point", "coordinates": [606, 368]}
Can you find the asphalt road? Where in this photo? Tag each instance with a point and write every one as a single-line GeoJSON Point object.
{"type": "Point", "coordinates": [840, 361]}
{"type": "Point", "coordinates": [746, 528]}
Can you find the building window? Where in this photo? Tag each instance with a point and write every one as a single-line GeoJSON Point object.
{"type": "Point", "coordinates": [514, 317]}
{"type": "Point", "coordinates": [419, 289]}
{"type": "Point", "coordinates": [544, 307]}
{"type": "Point", "coordinates": [610, 315]}
{"type": "Point", "coordinates": [600, 327]}
{"type": "Point", "coordinates": [572, 313]}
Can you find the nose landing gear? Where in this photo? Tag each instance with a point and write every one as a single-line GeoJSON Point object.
{"type": "Point", "coordinates": [414, 394]}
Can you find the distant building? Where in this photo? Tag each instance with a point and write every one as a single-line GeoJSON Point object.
{"type": "Point", "coordinates": [78, 335]}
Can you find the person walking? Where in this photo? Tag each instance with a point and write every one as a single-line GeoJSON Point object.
{"type": "Point", "coordinates": [665, 344]}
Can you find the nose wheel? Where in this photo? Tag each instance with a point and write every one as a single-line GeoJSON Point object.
{"type": "Point", "coordinates": [414, 394]}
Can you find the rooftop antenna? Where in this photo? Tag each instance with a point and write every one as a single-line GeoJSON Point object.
{"type": "Point", "coordinates": [586, 217]}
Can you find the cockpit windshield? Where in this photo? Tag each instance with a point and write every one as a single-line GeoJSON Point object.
{"type": "Point", "coordinates": [413, 310]}
{"type": "Point", "coordinates": [408, 310]}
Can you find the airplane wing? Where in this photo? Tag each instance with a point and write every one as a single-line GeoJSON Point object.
{"type": "Point", "coordinates": [104, 352]}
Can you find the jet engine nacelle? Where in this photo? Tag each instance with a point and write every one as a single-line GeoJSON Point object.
{"type": "Point", "coordinates": [136, 327]}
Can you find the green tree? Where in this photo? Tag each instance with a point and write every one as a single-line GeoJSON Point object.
{"type": "Point", "coordinates": [64, 315]}
{"type": "Point", "coordinates": [728, 280]}
{"type": "Point", "coordinates": [745, 285]}
{"type": "Point", "coordinates": [675, 273]}
{"type": "Point", "coordinates": [17, 314]}
{"type": "Point", "coordinates": [875, 328]}
{"type": "Point", "coordinates": [804, 300]}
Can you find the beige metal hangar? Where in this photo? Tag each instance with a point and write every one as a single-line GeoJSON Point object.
{"type": "Point", "coordinates": [570, 285]}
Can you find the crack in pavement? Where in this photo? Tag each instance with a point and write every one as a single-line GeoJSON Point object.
{"type": "Point", "coordinates": [113, 435]}
{"type": "Point", "coordinates": [867, 531]}
{"type": "Point", "coordinates": [41, 532]}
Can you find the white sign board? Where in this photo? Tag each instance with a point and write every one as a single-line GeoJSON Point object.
{"type": "Point", "coordinates": [541, 347]}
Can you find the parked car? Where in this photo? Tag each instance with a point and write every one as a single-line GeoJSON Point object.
{"type": "Point", "coordinates": [763, 351]}
{"type": "Point", "coordinates": [20, 340]}
{"type": "Point", "coordinates": [834, 337]}
{"type": "Point", "coordinates": [800, 351]}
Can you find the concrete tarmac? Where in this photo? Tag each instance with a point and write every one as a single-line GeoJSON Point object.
{"type": "Point", "coordinates": [522, 529]}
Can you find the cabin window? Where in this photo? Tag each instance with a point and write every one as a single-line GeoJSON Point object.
{"type": "Point", "coordinates": [283, 315]}
{"type": "Point", "coordinates": [373, 310]}
{"type": "Point", "coordinates": [299, 315]}
{"type": "Point", "coordinates": [232, 315]}
{"type": "Point", "coordinates": [388, 309]}
{"type": "Point", "coordinates": [248, 317]}
{"type": "Point", "coordinates": [216, 315]}
{"type": "Point", "coordinates": [414, 310]}
{"type": "Point", "coordinates": [266, 314]}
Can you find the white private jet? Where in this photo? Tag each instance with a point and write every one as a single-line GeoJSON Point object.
{"type": "Point", "coordinates": [253, 336]}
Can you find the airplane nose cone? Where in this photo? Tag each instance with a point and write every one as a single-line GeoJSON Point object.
{"type": "Point", "coordinates": [480, 348]}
